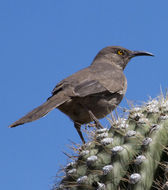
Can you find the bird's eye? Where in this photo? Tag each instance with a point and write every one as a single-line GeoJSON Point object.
{"type": "Point", "coordinates": [120, 52]}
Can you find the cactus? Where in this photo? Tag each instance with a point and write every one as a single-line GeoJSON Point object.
{"type": "Point", "coordinates": [131, 154]}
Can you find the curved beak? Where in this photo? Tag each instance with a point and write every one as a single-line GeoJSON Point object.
{"type": "Point", "coordinates": [140, 53]}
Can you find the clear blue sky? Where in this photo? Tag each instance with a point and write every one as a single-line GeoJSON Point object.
{"type": "Point", "coordinates": [42, 42]}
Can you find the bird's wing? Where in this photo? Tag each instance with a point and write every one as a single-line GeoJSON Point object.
{"type": "Point", "coordinates": [91, 81]}
{"type": "Point", "coordinates": [114, 82]}
{"type": "Point", "coordinates": [89, 87]}
{"type": "Point", "coordinates": [81, 83]}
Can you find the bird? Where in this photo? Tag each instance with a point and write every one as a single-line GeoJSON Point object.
{"type": "Point", "coordinates": [91, 93]}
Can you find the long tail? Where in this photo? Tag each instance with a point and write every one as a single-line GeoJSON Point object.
{"type": "Point", "coordinates": [42, 110]}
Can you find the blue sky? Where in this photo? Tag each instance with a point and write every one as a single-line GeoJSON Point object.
{"type": "Point", "coordinates": [42, 42]}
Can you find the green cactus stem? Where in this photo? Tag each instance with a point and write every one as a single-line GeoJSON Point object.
{"type": "Point", "coordinates": [132, 154]}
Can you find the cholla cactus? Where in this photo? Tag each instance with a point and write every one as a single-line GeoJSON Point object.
{"type": "Point", "coordinates": [131, 154]}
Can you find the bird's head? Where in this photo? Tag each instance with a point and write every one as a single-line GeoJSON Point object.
{"type": "Point", "coordinates": [118, 55]}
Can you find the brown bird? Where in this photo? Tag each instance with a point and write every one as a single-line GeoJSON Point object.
{"type": "Point", "coordinates": [90, 93]}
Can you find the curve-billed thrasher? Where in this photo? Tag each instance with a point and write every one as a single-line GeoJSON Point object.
{"type": "Point", "coordinates": [90, 93]}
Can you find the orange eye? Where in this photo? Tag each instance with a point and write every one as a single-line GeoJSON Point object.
{"type": "Point", "coordinates": [119, 52]}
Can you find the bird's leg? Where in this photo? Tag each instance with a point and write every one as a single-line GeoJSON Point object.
{"type": "Point", "coordinates": [78, 126]}
{"type": "Point", "coordinates": [97, 123]}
